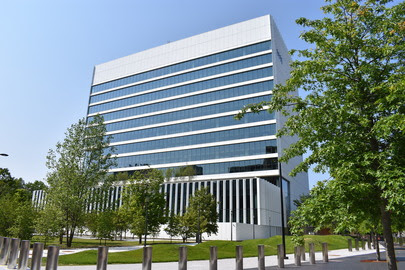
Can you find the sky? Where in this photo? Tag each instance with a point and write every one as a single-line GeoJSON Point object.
{"type": "Point", "coordinates": [48, 50]}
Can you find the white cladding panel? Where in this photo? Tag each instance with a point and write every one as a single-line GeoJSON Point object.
{"type": "Point", "coordinates": [221, 39]}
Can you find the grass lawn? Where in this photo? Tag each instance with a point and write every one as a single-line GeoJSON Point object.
{"type": "Point", "coordinates": [92, 243]}
{"type": "Point", "coordinates": [226, 249]}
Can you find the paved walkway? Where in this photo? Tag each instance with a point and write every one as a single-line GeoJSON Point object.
{"type": "Point", "coordinates": [338, 259]}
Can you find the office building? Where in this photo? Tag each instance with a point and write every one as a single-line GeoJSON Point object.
{"type": "Point", "coordinates": [173, 106]}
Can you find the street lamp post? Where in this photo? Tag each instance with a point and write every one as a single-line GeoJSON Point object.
{"type": "Point", "coordinates": [282, 209]}
{"type": "Point", "coordinates": [199, 225]}
{"type": "Point", "coordinates": [146, 219]}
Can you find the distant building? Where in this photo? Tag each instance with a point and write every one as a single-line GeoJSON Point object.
{"type": "Point", "coordinates": [173, 106]}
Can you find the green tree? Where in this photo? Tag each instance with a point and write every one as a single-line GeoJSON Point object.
{"type": "Point", "coordinates": [104, 224]}
{"type": "Point", "coordinates": [353, 117]}
{"type": "Point", "coordinates": [186, 226]}
{"type": "Point", "coordinates": [350, 213]}
{"type": "Point", "coordinates": [8, 184]}
{"type": "Point", "coordinates": [203, 211]}
{"type": "Point", "coordinates": [173, 225]}
{"type": "Point", "coordinates": [144, 203]}
{"type": "Point", "coordinates": [121, 221]}
{"type": "Point", "coordinates": [36, 185]}
{"type": "Point", "coordinates": [77, 164]}
{"type": "Point", "coordinates": [49, 222]}
{"type": "Point", "coordinates": [16, 211]}
{"type": "Point", "coordinates": [23, 221]}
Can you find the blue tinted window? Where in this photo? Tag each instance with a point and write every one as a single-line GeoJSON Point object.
{"type": "Point", "coordinates": [184, 65]}
{"type": "Point", "coordinates": [184, 114]}
{"type": "Point", "coordinates": [182, 78]}
{"type": "Point", "coordinates": [191, 126]}
{"type": "Point", "coordinates": [236, 78]}
{"type": "Point", "coordinates": [233, 134]}
{"type": "Point", "coordinates": [206, 153]}
{"type": "Point", "coordinates": [186, 101]}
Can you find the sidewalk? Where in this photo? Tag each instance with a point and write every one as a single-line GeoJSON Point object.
{"type": "Point", "coordinates": [225, 264]}
{"type": "Point", "coordinates": [340, 259]}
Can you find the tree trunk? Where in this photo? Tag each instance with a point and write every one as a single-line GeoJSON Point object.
{"type": "Point", "coordinates": [69, 237]}
{"type": "Point", "coordinates": [377, 247]}
{"type": "Point", "coordinates": [389, 241]}
{"type": "Point", "coordinates": [140, 239]}
{"type": "Point", "coordinates": [61, 237]}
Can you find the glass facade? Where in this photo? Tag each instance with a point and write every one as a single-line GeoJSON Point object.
{"type": "Point", "coordinates": [263, 46]}
{"type": "Point", "coordinates": [193, 96]}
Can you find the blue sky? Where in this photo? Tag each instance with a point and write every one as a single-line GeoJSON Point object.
{"type": "Point", "coordinates": [48, 50]}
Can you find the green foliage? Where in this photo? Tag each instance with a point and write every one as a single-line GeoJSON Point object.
{"type": "Point", "coordinates": [101, 224]}
{"type": "Point", "coordinates": [23, 221]}
{"type": "Point", "coordinates": [143, 200]}
{"type": "Point", "coordinates": [353, 116]}
{"type": "Point", "coordinates": [78, 164]}
{"type": "Point", "coordinates": [37, 185]}
{"type": "Point", "coordinates": [187, 226]}
{"type": "Point", "coordinates": [121, 221]}
{"type": "Point", "coordinates": [49, 222]}
{"type": "Point", "coordinates": [202, 210]}
{"type": "Point", "coordinates": [8, 184]}
{"type": "Point", "coordinates": [173, 225]}
{"type": "Point", "coordinates": [16, 212]}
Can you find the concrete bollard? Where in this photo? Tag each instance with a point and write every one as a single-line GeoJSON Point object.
{"type": "Point", "coordinates": [5, 251]}
{"type": "Point", "coordinates": [52, 258]}
{"type": "Point", "coordinates": [311, 253]}
{"type": "Point", "coordinates": [147, 258]}
{"type": "Point", "coordinates": [239, 258]}
{"type": "Point", "coordinates": [325, 252]}
{"type": "Point", "coordinates": [1, 243]}
{"type": "Point", "coordinates": [280, 256]}
{"type": "Point", "coordinates": [213, 258]}
{"type": "Point", "coordinates": [12, 258]}
{"type": "Point", "coordinates": [24, 254]}
{"type": "Point", "coordinates": [102, 258]}
{"type": "Point", "coordinates": [260, 257]}
{"type": "Point", "coordinates": [297, 253]}
{"type": "Point", "coordinates": [356, 244]}
{"type": "Point", "coordinates": [37, 256]}
{"type": "Point", "coordinates": [182, 258]}
{"type": "Point", "coordinates": [349, 243]}
{"type": "Point", "coordinates": [303, 253]}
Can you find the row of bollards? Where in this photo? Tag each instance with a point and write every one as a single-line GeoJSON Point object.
{"type": "Point", "coordinates": [14, 253]}
{"type": "Point", "coordinates": [213, 262]}
{"type": "Point", "coordinates": [357, 244]}
{"type": "Point", "coordinates": [10, 248]}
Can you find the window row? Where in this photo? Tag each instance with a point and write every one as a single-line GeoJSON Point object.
{"type": "Point", "coordinates": [184, 89]}
{"type": "Point", "coordinates": [206, 153]}
{"type": "Point", "coordinates": [250, 62]}
{"type": "Point", "coordinates": [233, 166]}
{"type": "Point", "coordinates": [226, 135]}
{"type": "Point", "coordinates": [196, 99]}
{"type": "Point", "coordinates": [191, 126]}
{"type": "Point", "coordinates": [184, 114]}
{"type": "Point", "coordinates": [184, 65]}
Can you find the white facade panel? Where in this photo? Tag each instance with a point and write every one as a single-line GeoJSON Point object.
{"type": "Point", "coordinates": [218, 40]}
